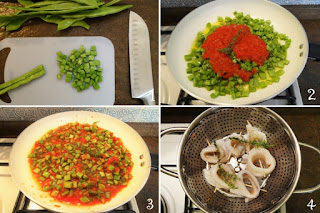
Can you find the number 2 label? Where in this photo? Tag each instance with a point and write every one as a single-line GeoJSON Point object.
{"type": "Point", "coordinates": [311, 92]}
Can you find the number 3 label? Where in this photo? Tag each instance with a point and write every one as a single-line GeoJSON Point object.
{"type": "Point", "coordinates": [311, 92]}
{"type": "Point", "coordinates": [150, 204]}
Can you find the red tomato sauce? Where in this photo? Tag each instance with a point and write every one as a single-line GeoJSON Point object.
{"type": "Point", "coordinates": [81, 164]}
{"type": "Point", "coordinates": [245, 45]}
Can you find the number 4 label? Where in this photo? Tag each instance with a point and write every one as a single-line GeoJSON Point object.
{"type": "Point", "coordinates": [310, 205]}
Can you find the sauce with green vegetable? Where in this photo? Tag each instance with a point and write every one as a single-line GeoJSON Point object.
{"type": "Point", "coordinates": [237, 56]}
{"type": "Point", "coordinates": [236, 38]}
{"type": "Point", "coordinates": [81, 164]}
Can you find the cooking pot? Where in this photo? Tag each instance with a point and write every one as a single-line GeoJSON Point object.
{"type": "Point", "coordinates": [216, 123]}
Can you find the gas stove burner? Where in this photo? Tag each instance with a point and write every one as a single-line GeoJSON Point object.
{"type": "Point", "coordinates": [167, 201]}
{"type": "Point", "coordinates": [163, 207]}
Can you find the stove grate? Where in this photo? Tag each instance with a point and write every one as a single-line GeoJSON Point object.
{"type": "Point", "coordinates": [186, 99]}
{"type": "Point", "coordinates": [189, 207]}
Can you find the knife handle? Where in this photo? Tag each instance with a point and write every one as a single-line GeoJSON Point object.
{"type": "Point", "coordinates": [314, 51]}
{"type": "Point", "coordinates": [148, 99]}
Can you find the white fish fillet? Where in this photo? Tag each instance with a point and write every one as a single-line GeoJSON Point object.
{"type": "Point", "coordinates": [255, 134]}
{"type": "Point", "coordinates": [207, 177]}
{"type": "Point", "coordinates": [210, 154]}
{"type": "Point", "coordinates": [266, 159]}
{"type": "Point", "coordinates": [215, 154]}
{"type": "Point", "coordinates": [248, 178]}
{"type": "Point", "coordinates": [217, 181]}
{"type": "Point", "coordinates": [235, 147]}
{"type": "Point", "coordinates": [224, 152]}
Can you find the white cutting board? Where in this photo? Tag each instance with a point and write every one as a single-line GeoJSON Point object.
{"type": "Point", "coordinates": [28, 53]}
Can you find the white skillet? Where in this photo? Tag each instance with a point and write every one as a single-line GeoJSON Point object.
{"type": "Point", "coordinates": [21, 173]}
{"type": "Point", "coordinates": [184, 34]}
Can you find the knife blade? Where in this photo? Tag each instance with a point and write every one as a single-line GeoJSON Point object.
{"type": "Point", "coordinates": [140, 60]}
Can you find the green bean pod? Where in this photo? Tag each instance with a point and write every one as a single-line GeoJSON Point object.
{"type": "Point", "coordinates": [23, 81]}
{"type": "Point", "coordinates": [24, 76]}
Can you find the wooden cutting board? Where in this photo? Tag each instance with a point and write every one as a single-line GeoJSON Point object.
{"type": "Point", "coordinates": [28, 53]}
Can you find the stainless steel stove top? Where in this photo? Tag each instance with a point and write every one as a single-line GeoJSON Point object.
{"type": "Point", "coordinates": [172, 94]}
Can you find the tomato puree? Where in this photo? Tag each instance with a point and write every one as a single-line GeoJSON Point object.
{"type": "Point", "coordinates": [237, 39]}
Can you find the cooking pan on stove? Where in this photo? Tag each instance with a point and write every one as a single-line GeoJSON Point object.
{"type": "Point", "coordinates": [184, 34]}
{"type": "Point", "coordinates": [21, 172]}
{"type": "Point", "coordinates": [216, 123]}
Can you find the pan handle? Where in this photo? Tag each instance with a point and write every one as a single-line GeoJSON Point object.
{"type": "Point", "coordinates": [314, 51]}
{"type": "Point", "coordinates": [154, 161]}
{"type": "Point", "coordinates": [312, 189]}
{"type": "Point", "coordinates": [170, 131]}
{"type": "Point", "coordinates": [173, 130]}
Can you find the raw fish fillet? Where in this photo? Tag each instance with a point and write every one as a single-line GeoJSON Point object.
{"type": "Point", "coordinates": [257, 155]}
{"type": "Point", "coordinates": [255, 134]}
{"type": "Point", "coordinates": [249, 179]}
{"type": "Point", "coordinates": [217, 180]}
{"type": "Point", "coordinates": [235, 147]}
{"type": "Point", "coordinates": [210, 154]}
{"type": "Point", "coordinates": [224, 152]}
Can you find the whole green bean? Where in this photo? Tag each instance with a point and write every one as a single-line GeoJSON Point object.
{"type": "Point", "coordinates": [87, 2]}
{"type": "Point", "coordinates": [24, 76]}
{"type": "Point", "coordinates": [25, 2]}
{"type": "Point", "coordinates": [66, 23]}
{"type": "Point", "coordinates": [54, 7]}
{"type": "Point", "coordinates": [5, 18]}
{"type": "Point", "coordinates": [24, 81]}
{"type": "Point", "coordinates": [8, 22]}
{"type": "Point", "coordinates": [4, 24]}
{"type": "Point", "coordinates": [63, 13]}
{"type": "Point", "coordinates": [81, 24]}
{"type": "Point", "coordinates": [51, 19]}
{"type": "Point", "coordinates": [44, 3]}
{"type": "Point", "coordinates": [15, 24]}
{"type": "Point", "coordinates": [58, 19]}
{"type": "Point", "coordinates": [111, 3]}
{"type": "Point", "coordinates": [102, 11]}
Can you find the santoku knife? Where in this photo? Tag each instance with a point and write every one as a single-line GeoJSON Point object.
{"type": "Point", "coordinates": [140, 60]}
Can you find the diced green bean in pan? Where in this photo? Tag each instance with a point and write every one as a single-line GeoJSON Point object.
{"type": "Point", "coordinates": [81, 164]}
{"type": "Point", "coordinates": [200, 71]}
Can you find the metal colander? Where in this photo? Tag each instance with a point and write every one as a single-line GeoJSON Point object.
{"type": "Point", "coordinates": [220, 122]}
